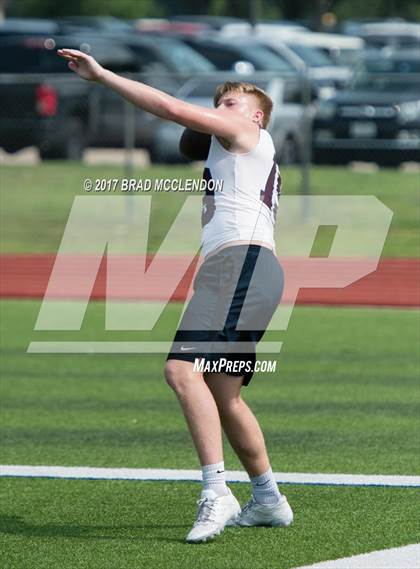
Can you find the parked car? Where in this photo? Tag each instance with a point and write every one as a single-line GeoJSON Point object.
{"type": "Point", "coordinates": [325, 75]}
{"type": "Point", "coordinates": [393, 34]}
{"type": "Point", "coordinates": [27, 26]}
{"type": "Point", "coordinates": [221, 24]}
{"type": "Point", "coordinates": [377, 118]}
{"type": "Point", "coordinates": [285, 125]}
{"type": "Point", "coordinates": [263, 28]}
{"type": "Point", "coordinates": [340, 48]}
{"type": "Point", "coordinates": [98, 23]}
{"type": "Point", "coordinates": [352, 27]}
{"type": "Point", "coordinates": [159, 25]}
{"type": "Point", "coordinates": [239, 54]}
{"type": "Point", "coordinates": [161, 54]}
{"type": "Point", "coordinates": [214, 22]}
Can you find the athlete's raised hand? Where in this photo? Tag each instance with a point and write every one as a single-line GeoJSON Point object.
{"type": "Point", "coordinates": [82, 64]}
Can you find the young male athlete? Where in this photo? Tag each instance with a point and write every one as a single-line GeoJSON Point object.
{"type": "Point", "coordinates": [236, 291]}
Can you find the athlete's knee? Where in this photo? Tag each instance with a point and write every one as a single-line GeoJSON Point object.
{"type": "Point", "coordinates": [178, 374]}
{"type": "Point", "coordinates": [229, 406]}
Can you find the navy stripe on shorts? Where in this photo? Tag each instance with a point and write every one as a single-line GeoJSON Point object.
{"type": "Point", "coordinates": [236, 292]}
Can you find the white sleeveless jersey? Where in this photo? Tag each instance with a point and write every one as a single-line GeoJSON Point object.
{"type": "Point", "coordinates": [246, 207]}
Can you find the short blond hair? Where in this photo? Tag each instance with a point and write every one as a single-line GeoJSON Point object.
{"type": "Point", "coordinates": [264, 101]}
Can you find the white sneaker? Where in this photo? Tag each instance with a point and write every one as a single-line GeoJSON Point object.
{"type": "Point", "coordinates": [213, 514]}
{"type": "Point", "coordinates": [255, 514]}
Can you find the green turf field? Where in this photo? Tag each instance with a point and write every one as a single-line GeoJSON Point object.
{"type": "Point", "coordinates": [346, 379]}
{"type": "Point", "coordinates": [344, 399]}
{"type": "Point", "coordinates": [72, 524]}
{"type": "Point", "coordinates": [36, 201]}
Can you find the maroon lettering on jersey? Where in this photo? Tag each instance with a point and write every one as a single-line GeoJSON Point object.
{"type": "Point", "coordinates": [273, 184]}
{"type": "Point", "coordinates": [209, 206]}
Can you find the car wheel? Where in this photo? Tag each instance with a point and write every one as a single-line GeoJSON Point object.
{"type": "Point", "coordinates": [156, 156]}
{"type": "Point", "coordinates": [70, 147]}
{"type": "Point", "coordinates": [390, 163]}
{"type": "Point", "coordinates": [11, 149]}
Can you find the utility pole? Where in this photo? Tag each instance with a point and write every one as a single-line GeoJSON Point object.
{"type": "Point", "coordinates": [254, 12]}
{"type": "Point", "coordinates": [2, 10]}
{"type": "Point", "coordinates": [306, 90]}
{"type": "Point", "coordinates": [129, 147]}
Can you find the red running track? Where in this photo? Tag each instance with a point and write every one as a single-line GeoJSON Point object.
{"type": "Point", "coordinates": [395, 282]}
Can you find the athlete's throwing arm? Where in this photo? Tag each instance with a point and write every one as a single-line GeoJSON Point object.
{"type": "Point", "coordinates": [235, 121]}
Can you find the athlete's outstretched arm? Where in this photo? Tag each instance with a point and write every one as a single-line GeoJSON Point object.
{"type": "Point", "coordinates": [202, 119]}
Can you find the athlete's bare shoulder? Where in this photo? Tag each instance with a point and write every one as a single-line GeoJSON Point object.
{"type": "Point", "coordinates": [244, 143]}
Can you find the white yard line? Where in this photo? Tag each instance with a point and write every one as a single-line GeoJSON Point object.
{"type": "Point", "coordinates": [86, 472]}
{"type": "Point", "coordinates": [407, 557]}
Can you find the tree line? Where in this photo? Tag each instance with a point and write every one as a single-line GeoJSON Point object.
{"type": "Point", "coordinates": [309, 11]}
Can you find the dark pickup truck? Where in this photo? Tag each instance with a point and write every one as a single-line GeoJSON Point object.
{"type": "Point", "coordinates": [44, 104]}
{"type": "Point", "coordinates": [377, 118]}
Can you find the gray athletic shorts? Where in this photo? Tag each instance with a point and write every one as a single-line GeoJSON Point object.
{"type": "Point", "coordinates": [236, 292]}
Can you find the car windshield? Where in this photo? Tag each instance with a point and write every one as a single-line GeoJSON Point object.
{"type": "Point", "coordinates": [392, 40]}
{"type": "Point", "coordinates": [207, 88]}
{"type": "Point", "coordinates": [263, 59]}
{"type": "Point", "coordinates": [311, 56]}
{"type": "Point", "coordinates": [387, 74]}
{"type": "Point", "coordinates": [183, 58]}
{"type": "Point", "coordinates": [31, 58]}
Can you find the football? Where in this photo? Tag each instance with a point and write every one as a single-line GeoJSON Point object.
{"type": "Point", "coordinates": [194, 145]}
